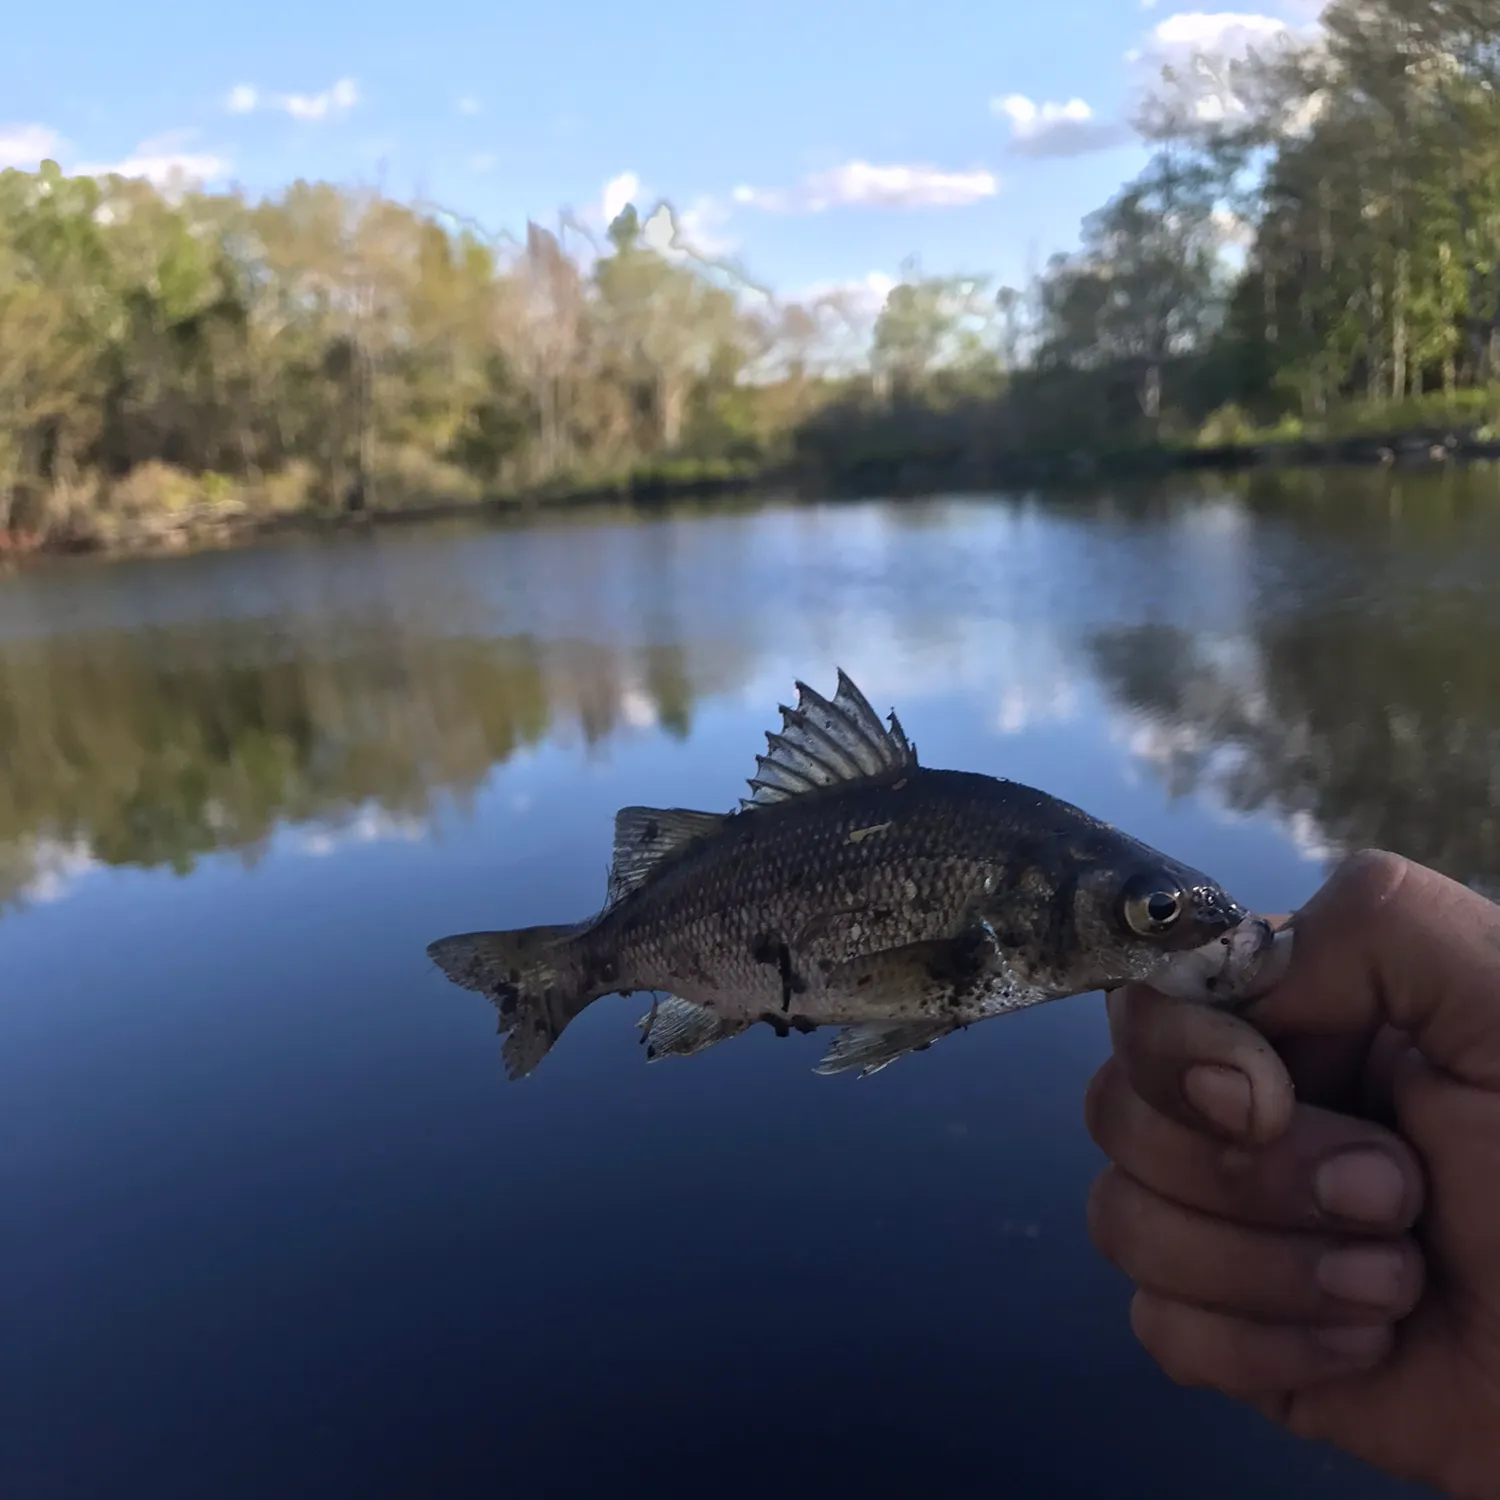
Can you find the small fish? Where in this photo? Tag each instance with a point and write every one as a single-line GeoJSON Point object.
{"type": "Point", "coordinates": [856, 888]}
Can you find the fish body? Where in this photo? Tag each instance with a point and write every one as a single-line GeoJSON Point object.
{"type": "Point", "coordinates": [857, 888]}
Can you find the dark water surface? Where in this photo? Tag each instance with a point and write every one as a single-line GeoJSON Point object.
{"type": "Point", "coordinates": [276, 1225]}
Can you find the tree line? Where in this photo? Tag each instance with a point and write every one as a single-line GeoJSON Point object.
{"type": "Point", "coordinates": [1316, 238]}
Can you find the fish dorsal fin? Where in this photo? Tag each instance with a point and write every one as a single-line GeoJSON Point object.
{"type": "Point", "coordinates": [824, 744]}
{"type": "Point", "coordinates": [647, 837]}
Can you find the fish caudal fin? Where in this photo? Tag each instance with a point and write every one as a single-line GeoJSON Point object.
{"type": "Point", "coordinates": [532, 976]}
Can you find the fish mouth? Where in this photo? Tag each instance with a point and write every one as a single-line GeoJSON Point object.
{"type": "Point", "coordinates": [1231, 970]}
{"type": "Point", "coordinates": [1214, 911]}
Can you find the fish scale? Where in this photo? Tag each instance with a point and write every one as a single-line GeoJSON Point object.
{"type": "Point", "coordinates": [856, 887]}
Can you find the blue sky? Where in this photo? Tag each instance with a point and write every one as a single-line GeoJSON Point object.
{"type": "Point", "coordinates": [820, 143]}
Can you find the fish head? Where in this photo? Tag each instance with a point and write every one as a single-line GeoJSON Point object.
{"type": "Point", "coordinates": [1148, 919]}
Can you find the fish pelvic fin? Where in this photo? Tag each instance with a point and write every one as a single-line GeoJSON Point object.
{"type": "Point", "coordinates": [534, 978]}
{"type": "Point", "coordinates": [870, 1047]}
{"type": "Point", "coordinates": [822, 744]}
{"type": "Point", "coordinates": [676, 1027]}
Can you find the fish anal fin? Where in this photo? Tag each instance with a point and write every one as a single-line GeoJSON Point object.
{"type": "Point", "coordinates": [871, 1046]}
{"type": "Point", "coordinates": [676, 1027]}
{"type": "Point", "coordinates": [647, 837]}
{"type": "Point", "coordinates": [825, 743]}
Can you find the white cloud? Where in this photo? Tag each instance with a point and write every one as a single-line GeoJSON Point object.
{"type": "Point", "coordinates": [864, 184]}
{"type": "Point", "coordinates": [469, 105]}
{"type": "Point", "coordinates": [1049, 129]}
{"type": "Point", "coordinates": [56, 868]}
{"type": "Point", "coordinates": [1204, 50]}
{"type": "Point", "coordinates": [162, 162]}
{"type": "Point", "coordinates": [618, 192]}
{"type": "Point", "coordinates": [694, 231]}
{"type": "Point", "coordinates": [862, 297]}
{"type": "Point", "coordinates": [26, 145]}
{"type": "Point", "coordinates": [1232, 228]}
{"type": "Point", "coordinates": [339, 99]}
{"type": "Point", "coordinates": [371, 824]}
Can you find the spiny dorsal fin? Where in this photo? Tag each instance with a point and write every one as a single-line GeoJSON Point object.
{"type": "Point", "coordinates": [646, 837]}
{"type": "Point", "coordinates": [823, 744]}
{"type": "Point", "coordinates": [677, 1028]}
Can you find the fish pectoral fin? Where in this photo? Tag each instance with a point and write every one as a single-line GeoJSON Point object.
{"type": "Point", "coordinates": [875, 1045]}
{"type": "Point", "coordinates": [647, 837]}
{"type": "Point", "coordinates": [677, 1028]}
{"type": "Point", "coordinates": [823, 743]}
{"type": "Point", "coordinates": [963, 963]}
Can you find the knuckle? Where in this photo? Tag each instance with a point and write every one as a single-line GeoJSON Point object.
{"type": "Point", "coordinates": [1158, 1333]}
{"type": "Point", "coordinates": [1371, 877]}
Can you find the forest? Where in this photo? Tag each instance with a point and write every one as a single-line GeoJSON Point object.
{"type": "Point", "coordinates": [1312, 249]}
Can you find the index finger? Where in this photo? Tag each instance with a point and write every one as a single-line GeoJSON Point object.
{"type": "Point", "coordinates": [1385, 946]}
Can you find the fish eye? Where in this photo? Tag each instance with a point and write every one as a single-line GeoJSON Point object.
{"type": "Point", "coordinates": [1152, 905]}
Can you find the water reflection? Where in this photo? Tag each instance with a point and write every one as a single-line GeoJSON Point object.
{"type": "Point", "coordinates": [156, 747]}
{"type": "Point", "coordinates": [1354, 727]}
{"type": "Point", "coordinates": [1312, 648]}
{"type": "Point", "coordinates": [283, 1230]}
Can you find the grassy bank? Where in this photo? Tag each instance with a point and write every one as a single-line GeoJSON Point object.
{"type": "Point", "coordinates": [158, 507]}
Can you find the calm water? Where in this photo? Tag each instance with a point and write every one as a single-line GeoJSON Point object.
{"type": "Point", "coordinates": [277, 1225]}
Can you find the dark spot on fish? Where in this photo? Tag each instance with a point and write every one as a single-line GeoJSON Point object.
{"type": "Point", "coordinates": [650, 831]}
{"type": "Point", "coordinates": [883, 913]}
{"type": "Point", "coordinates": [1064, 933]}
{"type": "Point", "coordinates": [776, 1023]}
{"type": "Point", "coordinates": [1212, 982]}
{"type": "Point", "coordinates": [507, 999]}
{"type": "Point", "coordinates": [804, 1024]}
{"type": "Point", "coordinates": [765, 949]}
{"type": "Point", "coordinates": [514, 976]}
{"type": "Point", "coordinates": [650, 1053]}
{"type": "Point", "coordinates": [865, 979]}
{"type": "Point", "coordinates": [794, 882]}
{"type": "Point", "coordinates": [791, 982]}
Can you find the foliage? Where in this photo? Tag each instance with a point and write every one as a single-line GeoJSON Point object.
{"type": "Point", "coordinates": [1314, 250]}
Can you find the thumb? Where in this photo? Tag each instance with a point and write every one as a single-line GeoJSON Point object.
{"type": "Point", "coordinates": [1386, 942]}
{"type": "Point", "coordinates": [1387, 956]}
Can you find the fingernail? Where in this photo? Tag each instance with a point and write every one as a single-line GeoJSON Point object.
{"type": "Point", "coordinates": [1221, 1095]}
{"type": "Point", "coordinates": [1362, 1186]}
{"type": "Point", "coordinates": [1366, 1344]}
{"type": "Point", "coordinates": [1369, 1274]}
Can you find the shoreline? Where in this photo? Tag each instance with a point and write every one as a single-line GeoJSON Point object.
{"type": "Point", "coordinates": [900, 475]}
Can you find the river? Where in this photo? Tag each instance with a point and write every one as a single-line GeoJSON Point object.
{"type": "Point", "coordinates": [278, 1225]}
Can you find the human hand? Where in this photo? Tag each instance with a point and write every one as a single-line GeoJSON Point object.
{"type": "Point", "coordinates": [1311, 1208]}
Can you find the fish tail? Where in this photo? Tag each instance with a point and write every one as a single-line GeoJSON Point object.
{"type": "Point", "coordinates": [534, 976]}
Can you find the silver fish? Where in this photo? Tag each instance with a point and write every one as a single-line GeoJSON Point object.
{"type": "Point", "coordinates": [857, 888]}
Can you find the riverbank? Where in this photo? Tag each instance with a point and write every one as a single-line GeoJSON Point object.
{"type": "Point", "coordinates": [209, 512]}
